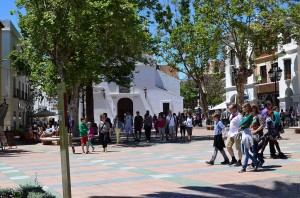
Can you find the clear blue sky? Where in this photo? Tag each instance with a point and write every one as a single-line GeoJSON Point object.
{"type": "Point", "coordinates": [5, 7]}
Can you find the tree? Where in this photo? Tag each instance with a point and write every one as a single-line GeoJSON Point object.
{"type": "Point", "coordinates": [187, 44]}
{"type": "Point", "coordinates": [293, 21]}
{"type": "Point", "coordinates": [245, 27]}
{"type": "Point", "coordinates": [189, 93]}
{"type": "Point", "coordinates": [79, 42]}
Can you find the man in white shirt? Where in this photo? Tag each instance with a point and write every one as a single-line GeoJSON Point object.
{"type": "Point", "coordinates": [235, 118]}
{"type": "Point", "coordinates": [171, 120]}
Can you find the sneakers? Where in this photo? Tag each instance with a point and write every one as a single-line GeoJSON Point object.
{"type": "Point", "coordinates": [242, 170]}
{"type": "Point", "coordinates": [261, 163]}
{"type": "Point", "coordinates": [225, 162]}
{"type": "Point", "coordinates": [282, 156]}
{"type": "Point", "coordinates": [233, 161]}
{"type": "Point", "coordinates": [238, 163]}
{"type": "Point", "coordinates": [210, 162]}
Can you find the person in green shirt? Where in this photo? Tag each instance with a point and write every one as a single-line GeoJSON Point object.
{"type": "Point", "coordinates": [83, 132]}
{"type": "Point", "coordinates": [247, 140]}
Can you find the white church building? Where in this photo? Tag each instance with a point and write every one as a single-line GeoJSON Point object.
{"type": "Point", "coordinates": [154, 88]}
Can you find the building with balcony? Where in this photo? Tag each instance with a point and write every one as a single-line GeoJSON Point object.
{"type": "Point", "coordinates": [14, 89]}
{"type": "Point", "coordinates": [230, 86]}
{"type": "Point", "coordinates": [259, 88]}
{"type": "Point", "coordinates": [152, 89]}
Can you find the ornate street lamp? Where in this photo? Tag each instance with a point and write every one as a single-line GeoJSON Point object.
{"type": "Point", "coordinates": [145, 91]}
{"type": "Point", "coordinates": [103, 92]}
{"type": "Point", "coordinates": [275, 74]}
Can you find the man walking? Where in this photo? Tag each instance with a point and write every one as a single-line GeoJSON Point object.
{"type": "Point", "coordinates": [138, 125]}
{"type": "Point", "coordinates": [235, 119]}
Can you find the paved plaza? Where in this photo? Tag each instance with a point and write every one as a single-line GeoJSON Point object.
{"type": "Point", "coordinates": [155, 169]}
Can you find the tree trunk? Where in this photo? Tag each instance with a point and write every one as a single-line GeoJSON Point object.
{"type": "Point", "coordinates": [74, 107]}
{"type": "Point", "coordinates": [90, 102]}
{"type": "Point", "coordinates": [203, 99]}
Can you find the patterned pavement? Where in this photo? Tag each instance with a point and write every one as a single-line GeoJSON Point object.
{"type": "Point", "coordinates": [174, 169]}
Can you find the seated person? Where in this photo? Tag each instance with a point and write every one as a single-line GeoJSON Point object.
{"type": "Point", "coordinates": [48, 132]}
{"type": "Point", "coordinates": [36, 131]}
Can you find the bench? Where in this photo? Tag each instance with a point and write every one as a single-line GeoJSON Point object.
{"type": "Point", "coordinates": [49, 140]}
{"type": "Point", "coordinates": [296, 129]}
{"type": "Point", "coordinates": [210, 127]}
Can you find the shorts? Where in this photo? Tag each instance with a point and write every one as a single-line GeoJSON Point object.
{"type": "Point", "coordinates": [84, 139]}
{"type": "Point", "coordinates": [128, 129]}
{"type": "Point", "coordinates": [231, 140]}
{"type": "Point", "coordinates": [172, 130]}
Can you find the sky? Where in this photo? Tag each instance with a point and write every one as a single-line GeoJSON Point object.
{"type": "Point", "coordinates": [5, 7]}
{"type": "Point", "coordinates": [8, 5]}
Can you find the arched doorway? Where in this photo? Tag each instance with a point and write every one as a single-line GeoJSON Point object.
{"type": "Point", "coordinates": [125, 105]}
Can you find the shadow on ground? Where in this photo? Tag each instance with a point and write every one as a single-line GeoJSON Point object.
{"type": "Point", "coordinates": [290, 187]}
{"type": "Point", "coordinates": [15, 152]}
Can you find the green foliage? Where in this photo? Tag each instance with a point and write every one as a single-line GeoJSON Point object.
{"type": "Point", "coordinates": [79, 41]}
{"type": "Point", "coordinates": [249, 28]}
{"type": "Point", "coordinates": [186, 43]}
{"type": "Point", "coordinates": [189, 93]}
{"type": "Point", "coordinates": [293, 22]}
{"type": "Point", "coordinates": [26, 191]}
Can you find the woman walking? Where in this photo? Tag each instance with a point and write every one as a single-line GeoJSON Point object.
{"type": "Point", "coordinates": [118, 128]}
{"type": "Point", "coordinates": [161, 125]}
{"type": "Point", "coordinates": [189, 126]}
{"type": "Point", "coordinates": [182, 125]}
{"type": "Point", "coordinates": [247, 140]}
{"type": "Point", "coordinates": [104, 128]}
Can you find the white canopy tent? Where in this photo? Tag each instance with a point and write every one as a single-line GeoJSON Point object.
{"type": "Point", "coordinates": [223, 105]}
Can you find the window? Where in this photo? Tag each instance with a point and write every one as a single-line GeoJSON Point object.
{"type": "Point", "coordinates": [232, 57]}
{"type": "Point", "coordinates": [263, 74]}
{"type": "Point", "coordinates": [287, 69]}
{"type": "Point", "coordinates": [233, 79]}
{"type": "Point", "coordinates": [14, 87]}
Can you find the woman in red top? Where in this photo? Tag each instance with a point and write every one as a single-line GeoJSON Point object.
{"type": "Point", "coordinates": [161, 125]}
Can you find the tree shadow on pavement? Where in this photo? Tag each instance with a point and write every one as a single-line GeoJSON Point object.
{"type": "Point", "coordinates": [286, 187]}
{"type": "Point", "coordinates": [15, 152]}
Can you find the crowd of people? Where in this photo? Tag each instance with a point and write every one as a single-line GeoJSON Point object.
{"type": "Point", "coordinates": [166, 128]}
{"type": "Point", "coordinates": [251, 131]}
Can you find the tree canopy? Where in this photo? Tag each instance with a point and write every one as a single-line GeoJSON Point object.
{"type": "Point", "coordinates": [80, 41]}
{"type": "Point", "coordinates": [186, 43]}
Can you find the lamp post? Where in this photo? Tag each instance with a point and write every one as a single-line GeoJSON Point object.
{"type": "Point", "coordinates": [145, 91]}
{"type": "Point", "coordinates": [275, 74]}
{"type": "Point", "coordinates": [103, 92]}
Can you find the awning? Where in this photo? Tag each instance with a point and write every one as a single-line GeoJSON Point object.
{"type": "Point", "coordinates": [223, 105]}
{"type": "Point", "coordinates": [44, 113]}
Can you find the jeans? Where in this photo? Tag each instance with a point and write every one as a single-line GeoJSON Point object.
{"type": "Point", "coordinates": [148, 132]}
{"type": "Point", "coordinates": [255, 151]}
{"type": "Point", "coordinates": [104, 138]}
{"type": "Point", "coordinates": [247, 155]}
{"type": "Point", "coordinates": [213, 157]}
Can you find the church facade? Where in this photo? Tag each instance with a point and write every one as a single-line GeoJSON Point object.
{"type": "Point", "coordinates": [152, 89]}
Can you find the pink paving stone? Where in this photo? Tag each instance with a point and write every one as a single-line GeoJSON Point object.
{"type": "Point", "coordinates": [8, 184]}
{"type": "Point", "coordinates": [235, 177]}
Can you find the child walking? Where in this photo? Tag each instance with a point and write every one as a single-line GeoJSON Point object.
{"type": "Point", "coordinates": [83, 132]}
{"type": "Point", "coordinates": [90, 135]}
{"type": "Point", "coordinates": [218, 141]}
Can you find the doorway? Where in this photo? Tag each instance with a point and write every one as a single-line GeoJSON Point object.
{"type": "Point", "coordinates": [125, 105]}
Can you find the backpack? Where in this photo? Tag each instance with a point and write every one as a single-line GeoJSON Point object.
{"type": "Point", "coordinates": [148, 121]}
{"type": "Point", "coordinates": [223, 131]}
